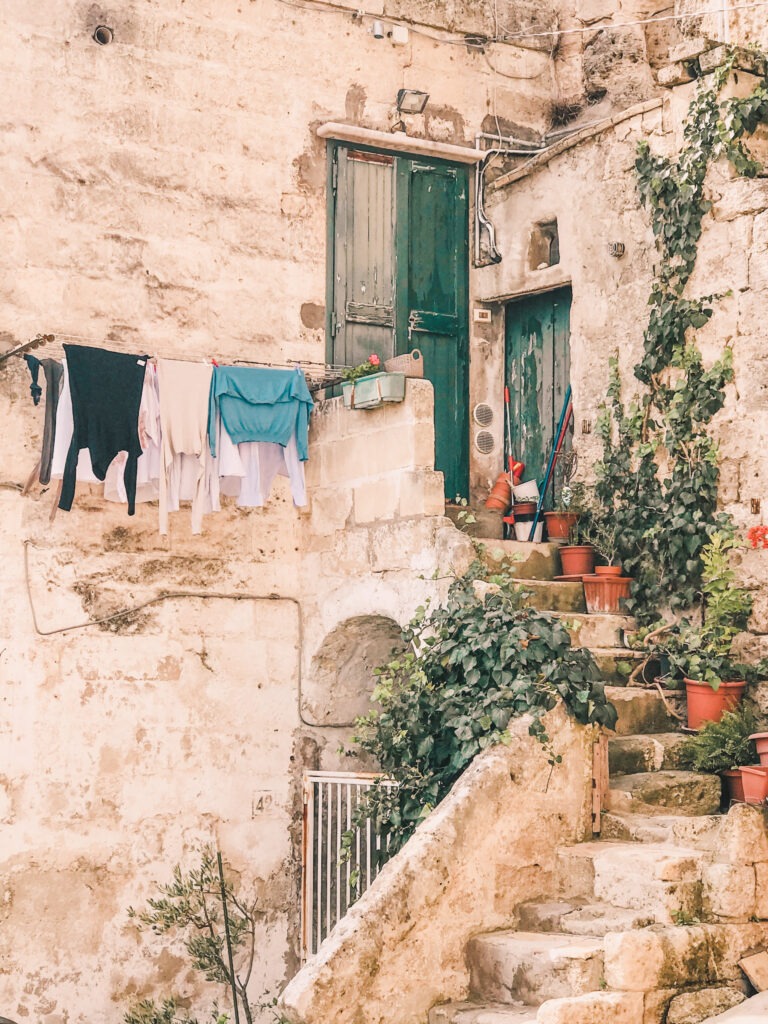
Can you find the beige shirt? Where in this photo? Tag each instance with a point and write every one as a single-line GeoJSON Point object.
{"type": "Point", "coordinates": [186, 458]}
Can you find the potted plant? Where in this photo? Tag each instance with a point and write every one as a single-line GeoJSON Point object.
{"type": "Point", "coordinates": [563, 518]}
{"type": "Point", "coordinates": [367, 386]}
{"type": "Point", "coordinates": [700, 654]}
{"type": "Point", "coordinates": [722, 748]}
{"type": "Point", "coordinates": [577, 556]}
{"type": "Point", "coordinates": [607, 587]}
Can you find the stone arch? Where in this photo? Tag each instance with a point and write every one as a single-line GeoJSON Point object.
{"type": "Point", "coordinates": [341, 676]}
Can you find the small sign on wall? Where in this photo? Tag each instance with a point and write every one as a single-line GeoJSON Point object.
{"type": "Point", "coordinates": [262, 802]}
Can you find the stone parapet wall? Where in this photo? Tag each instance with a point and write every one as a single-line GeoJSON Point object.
{"type": "Point", "coordinates": [489, 846]}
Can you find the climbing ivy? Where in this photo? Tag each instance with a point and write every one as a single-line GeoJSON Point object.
{"type": "Point", "coordinates": [659, 470]}
{"type": "Point", "coordinates": [470, 666]}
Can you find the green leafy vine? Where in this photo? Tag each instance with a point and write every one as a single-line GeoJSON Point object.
{"type": "Point", "coordinates": [470, 667]}
{"type": "Point", "coordinates": [659, 470]}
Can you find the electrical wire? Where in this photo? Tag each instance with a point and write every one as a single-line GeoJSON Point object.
{"type": "Point", "coordinates": [506, 36]}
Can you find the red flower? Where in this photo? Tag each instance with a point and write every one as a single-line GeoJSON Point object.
{"type": "Point", "coordinates": [758, 536]}
{"type": "Point", "coordinates": [374, 360]}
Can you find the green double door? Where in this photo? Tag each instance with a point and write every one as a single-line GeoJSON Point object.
{"type": "Point", "coordinates": [398, 280]}
{"type": "Point", "coordinates": [537, 371]}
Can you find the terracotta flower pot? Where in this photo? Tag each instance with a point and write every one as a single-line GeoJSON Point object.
{"type": "Point", "coordinates": [577, 559]}
{"type": "Point", "coordinates": [755, 782]}
{"type": "Point", "coordinates": [559, 524]}
{"type": "Point", "coordinates": [501, 494]}
{"type": "Point", "coordinates": [608, 570]}
{"type": "Point", "coordinates": [734, 786]}
{"type": "Point", "coordinates": [604, 594]}
{"type": "Point", "coordinates": [761, 742]}
{"type": "Point", "coordinates": [524, 508]}
{"type": "Point", "coordinates": [708, 705]}
{"type": "Point", "coordinates": [524, 513]}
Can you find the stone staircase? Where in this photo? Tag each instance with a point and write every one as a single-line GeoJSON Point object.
{"type": "Point", "coordinates": [660, 908]}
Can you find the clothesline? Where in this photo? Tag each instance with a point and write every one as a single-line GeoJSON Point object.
{"type": "Point", "coordinates": [319, 374]}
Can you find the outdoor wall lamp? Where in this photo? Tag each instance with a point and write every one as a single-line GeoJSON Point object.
{"type": "Point", "coordinates": [411, 101]}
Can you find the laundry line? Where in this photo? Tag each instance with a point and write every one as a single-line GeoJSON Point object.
{"type": "Point", "coordinates": [319, 375]}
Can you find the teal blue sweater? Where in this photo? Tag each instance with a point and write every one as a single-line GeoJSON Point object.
{"type": "Point", "coordinates": [260, 405]}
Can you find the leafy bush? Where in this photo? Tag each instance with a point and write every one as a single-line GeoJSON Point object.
{"type": "Point", "coordinates": [721, 745]}
{"type": "Point", "coordinates": [471, 666]}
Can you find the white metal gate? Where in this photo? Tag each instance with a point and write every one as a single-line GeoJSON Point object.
{"type": "Point", "coordinates": [330, 802]}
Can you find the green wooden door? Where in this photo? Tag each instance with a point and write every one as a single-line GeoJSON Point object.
{"type": "Point", "coordinates": [537, 373]}
{"type": "Point", "coordinates": [363, 309]}
{"type": "Point", "coordinates": [432, 306]}
{"type": "Point", "coordinates": [398, 280]}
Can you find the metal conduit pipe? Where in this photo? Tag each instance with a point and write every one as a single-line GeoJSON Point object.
{"type": "Point", "coordinates": [169, 595]}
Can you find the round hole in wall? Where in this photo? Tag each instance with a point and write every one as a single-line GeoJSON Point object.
{"type": "Point", "coordinates": [483, 414]}
{"type": "Point", "coordinates": [103, 35]}
{"type": "Point", "coordinates": [485, 442]}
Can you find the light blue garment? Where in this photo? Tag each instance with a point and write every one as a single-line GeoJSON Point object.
{"type": "Point", "coordinates": [260, 405]}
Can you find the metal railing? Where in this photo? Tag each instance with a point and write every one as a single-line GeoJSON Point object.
{"type": "Point", "coordinates": [330, 883]}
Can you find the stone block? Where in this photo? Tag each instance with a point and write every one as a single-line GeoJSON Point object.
{"type": "Point", "coordinates": [376, 500]}
{"type": "Point", "coordinates": [421, 493]}
{"type": "Point", "coordinates": [330, 509]}
{"type": "Point", "coordinates": [756, 969]}
{"type": "Point", "coordinates": [694, 1007]}
{"type": "Point", "coordinates": [729, 890]}
{"type": "Point", "coordinates": [674, 74]}
{"type": "Point", "coordinates": [744, 836]}
{"type": "Point", "coordinates": [593, 1008]}
{"type": "Point", "coordinates": [761, 891]}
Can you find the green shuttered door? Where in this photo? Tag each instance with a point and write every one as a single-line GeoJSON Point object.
{"type": "Point", "coordinates": [537, 373]}
{"type": "Point", "coordinates": [400, 278]}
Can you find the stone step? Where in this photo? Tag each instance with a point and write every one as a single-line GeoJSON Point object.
{"type": "Point", "coordinates": [546, 596]}
{"type": "Point", "coordinates": [522, 560]}
{"type": "Point", "coordinates": [529, 967]}
{"type": "Point", "coordinates": [594, 1008]}
{"type": "Point", "coordinates": [616, 663]}
{"type": "Point", "coordinates": [639, 710]}
{"type": "Point", "coordinates": [482, 1013]}
{"type": "Point", "coordinates": [751, 1011]}
{"type": "Point", "coordinates": [578, 918]}
{"type": "Point", "coordinates": [628, 755]}
{"type": "Point", "coordinates": [679, 792]}
{"type": "Point", "coordinates": [658, 879]}
{"type": "Point", "coordinates": [597, 630]}
{"type": "Point", "coordinates": [700, 832]}
{"type": "Point", "coordinates": [680, 956]}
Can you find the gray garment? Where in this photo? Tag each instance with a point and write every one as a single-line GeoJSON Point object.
{"type": "Point", "coordinates": [54, 374]}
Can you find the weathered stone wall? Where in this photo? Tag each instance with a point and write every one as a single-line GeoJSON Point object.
{"type": "Point", "coordinates": [489, 846]}
{"type": "Point", "coordinates": [126, 746]}
{"type": "Point", "coordinates": [590, 189]}
{"type": "Point", "coordinates": [723, 24]}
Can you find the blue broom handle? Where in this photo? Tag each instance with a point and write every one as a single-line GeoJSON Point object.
{"type": "Point", "coordinates": [547, 476]}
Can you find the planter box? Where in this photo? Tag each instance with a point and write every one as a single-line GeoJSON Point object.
{"type": "Point", "coordinates": [373, 391]}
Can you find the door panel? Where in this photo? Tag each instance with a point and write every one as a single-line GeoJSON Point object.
{"type": "Point", "coordinates": [537, 374]}
{"type": "Point", "coordinates": [364, 276]}
{"type": "Point", "coordinates": [433, 307]}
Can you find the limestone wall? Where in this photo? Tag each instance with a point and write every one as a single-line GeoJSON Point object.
{"type": "Point", "coordinates": [127, 745]}
{"type": "Point", "coordinates": [489, 846]}
{"type": "Point", "coordinates": [590, 189]}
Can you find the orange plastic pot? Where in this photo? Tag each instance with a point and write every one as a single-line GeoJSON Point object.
{"type": "Point", "coordinates": [577, 559]}
{"type": "Point", "coordinates": [607, 570]}
{"type": "Point", "coordinates": [708, 705]}
{"type": "Point", "coordinates": [501, 494]}
{"type": "Point", "coordinates": [761, 742]}
{"type": "Point", "coordinates": [734, 786]}
{"type": "Point", "coordinates": [603, 594]}
{"type": "Point", "coordinates": [559, 524]}
{"type": "Point", "coordinates": [755, 782]}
